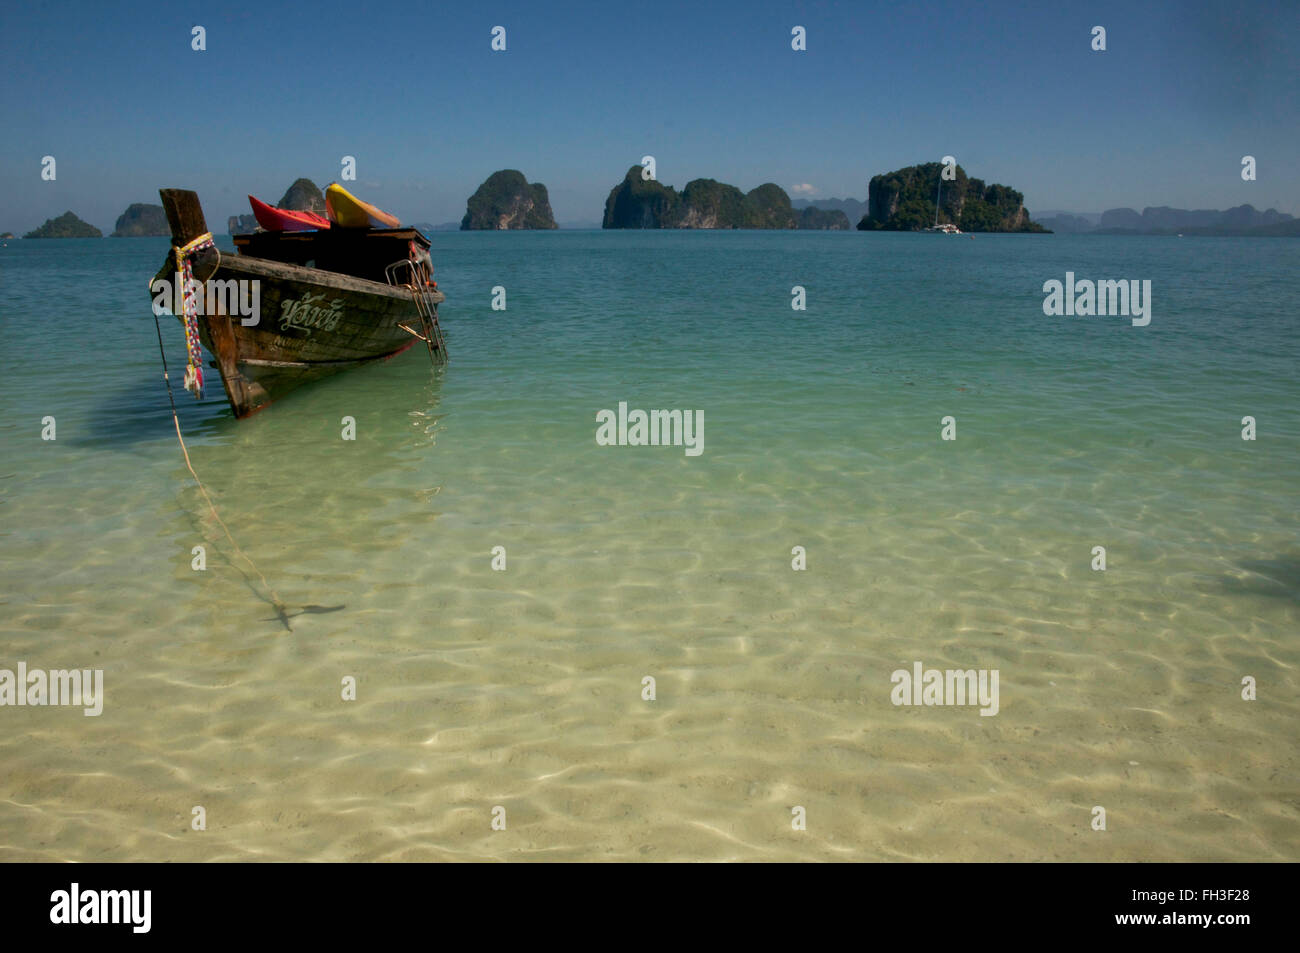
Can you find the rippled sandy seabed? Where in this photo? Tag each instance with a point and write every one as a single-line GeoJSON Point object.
{"type": "Point", "coordinates": [522, 688]}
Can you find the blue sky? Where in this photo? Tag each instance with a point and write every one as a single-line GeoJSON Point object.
{"type": "Point", "coordinates": [414, 92]}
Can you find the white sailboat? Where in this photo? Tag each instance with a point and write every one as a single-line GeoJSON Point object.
{"type": "Point", "coordinates": [946, 228]}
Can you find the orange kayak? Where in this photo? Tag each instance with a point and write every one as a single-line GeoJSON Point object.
{"type": "Point", "coordinates": [285, 220]}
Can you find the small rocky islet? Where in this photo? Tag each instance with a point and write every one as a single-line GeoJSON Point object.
{"type": "Point", "coordinates": [66, 225]}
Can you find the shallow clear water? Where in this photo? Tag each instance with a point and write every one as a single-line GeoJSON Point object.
{"type": "Point", "coordinates": [522, 688]}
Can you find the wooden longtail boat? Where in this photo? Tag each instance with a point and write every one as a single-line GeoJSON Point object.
{"type": "Point", "coordinates": [328, 301]}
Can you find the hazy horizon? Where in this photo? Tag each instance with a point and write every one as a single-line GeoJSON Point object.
{"type": "Point", "coordinates": [1162, 117]}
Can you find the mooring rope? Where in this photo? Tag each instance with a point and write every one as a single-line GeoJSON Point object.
{"type": "Point", "coordinates": [275, 600]}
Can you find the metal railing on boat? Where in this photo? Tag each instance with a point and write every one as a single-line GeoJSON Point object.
{"type": "Point", "coordinates": [418, 284]}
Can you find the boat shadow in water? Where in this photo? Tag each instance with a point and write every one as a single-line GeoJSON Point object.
{"type": "Point", "coordinates": [141, 414]}
{"type": "Point", "coordinates": [1278, 578]}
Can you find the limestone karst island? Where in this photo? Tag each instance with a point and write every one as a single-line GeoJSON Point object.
{"type": "Point", "coordinates": [637, 202]}
{"type": "Point", "coordinates": [905, 200]}
{"type": "Point", "coordinates": [914, 198]}
{"type": "Point", "coordinates": [507, 200]}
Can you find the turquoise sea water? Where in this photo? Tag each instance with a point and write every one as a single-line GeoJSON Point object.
{"type": "Point", "coordinates": [523, 688]}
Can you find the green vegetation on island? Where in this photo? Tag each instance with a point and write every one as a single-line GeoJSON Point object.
{"type": "Point", "coordinates": [640, 203]}
{"type": "Point", "coordinates": [506, 200]}
{"type": "Point", "coordinates": [703, 203]}
{"type": "Point", "coordinates": [141, 220]}
{"type": "Point", "coordinates": [708, 203]}
{"type": "Point", "coordinates": [904, 200]}
{"type": "Point", "coordinates": [6, 236]}
{"type": "Point", "coordinates": [66, 225]}
{"type": "Point", "coordinates": [768, 206]}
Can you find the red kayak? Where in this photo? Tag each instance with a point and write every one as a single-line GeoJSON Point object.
{"type": "Point", "coordinates": [286, 220]}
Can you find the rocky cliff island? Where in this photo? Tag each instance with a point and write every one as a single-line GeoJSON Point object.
{"type": "Point", "coordinates": [241, 224]}
{"type": "Point", "coordinates": [140, 220]}
{"type": "Point", "coordinates": [506, 200]}
{"type": "Point", "coordinates": [904, 201]}
{"type": "Point", "coordinates": [640, 203]}
{"type": "Point", "coordinates": [303, 196]}
{"type": "Point", "coordinates": [66, 225]}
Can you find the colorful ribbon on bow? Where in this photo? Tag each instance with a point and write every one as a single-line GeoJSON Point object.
{"type": "Point", "coordinates": [185, 274]}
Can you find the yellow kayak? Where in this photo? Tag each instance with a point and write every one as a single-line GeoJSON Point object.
{"type": "Point", "coordinates": [349, 211]}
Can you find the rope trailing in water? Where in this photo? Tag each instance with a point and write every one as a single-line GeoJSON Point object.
{"type": "Point", "coordinates": [182, 256]}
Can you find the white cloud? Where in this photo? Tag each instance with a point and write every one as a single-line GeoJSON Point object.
{"type": "Point", "coordinates": [804, 188]}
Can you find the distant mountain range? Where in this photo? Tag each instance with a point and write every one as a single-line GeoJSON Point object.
{"type": "Point", "coordinates": [428, 227]}
{"type": "Point", "coordinates": [853, 209]}
{"type": "Point", "coordinates": [1163, 220]}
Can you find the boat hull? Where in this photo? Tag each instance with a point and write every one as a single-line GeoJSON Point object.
{"type": "Point", "coordinates": [309, 324]}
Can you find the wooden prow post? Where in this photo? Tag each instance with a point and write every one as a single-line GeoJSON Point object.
{"type": "Point", "coordinates": [184, 215]}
